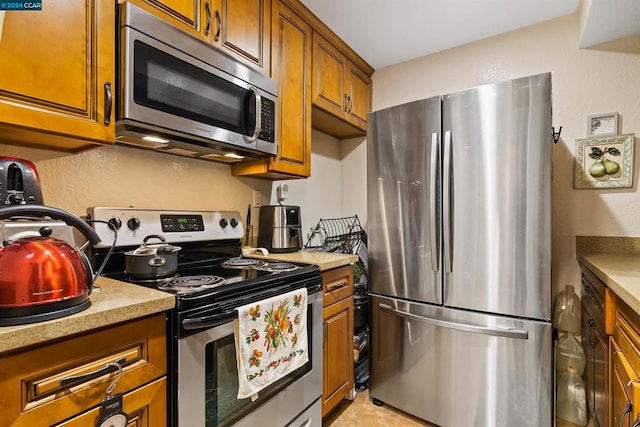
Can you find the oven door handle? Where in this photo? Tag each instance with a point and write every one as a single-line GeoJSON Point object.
{"type": "Point", "coordinates": [208, 321]}
{"type": "Point", "coordinates": [215, 319]}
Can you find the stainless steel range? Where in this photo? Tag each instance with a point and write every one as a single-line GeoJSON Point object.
{"type": "Point", "coordinates": [211, 281]}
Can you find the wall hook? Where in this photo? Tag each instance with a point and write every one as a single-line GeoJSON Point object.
{"type": "Point", "coordinates": [556, 135]}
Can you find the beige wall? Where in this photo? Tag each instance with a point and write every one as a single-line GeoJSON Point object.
{"type": "Point", "coordinates": [585, 82]}
{"type": "Point", "coordinates": [320, 195]}
{"type": "Point", "coordinates": [123, 176]}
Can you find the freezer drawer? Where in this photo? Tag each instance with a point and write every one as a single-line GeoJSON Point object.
{"type": "Point", "coordinates": [456, 368]}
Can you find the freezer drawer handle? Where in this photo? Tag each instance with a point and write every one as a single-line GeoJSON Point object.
{"type": "Point", "coordinates": [508, 333]}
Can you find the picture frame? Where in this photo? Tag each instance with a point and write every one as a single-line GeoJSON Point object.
{"type": "Point", "coordinates": [604, 162]}
{"type": "Point", "coordinates": [602, 124]}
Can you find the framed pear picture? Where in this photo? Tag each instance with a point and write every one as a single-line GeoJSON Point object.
{"type": "Point", "coordinates": [604, 162]}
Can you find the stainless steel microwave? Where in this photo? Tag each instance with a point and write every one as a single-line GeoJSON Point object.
{"type": "Point", "coordinates": [181, 95]}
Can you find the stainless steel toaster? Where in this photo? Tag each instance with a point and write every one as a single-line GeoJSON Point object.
{"type": "Point", "coordinates": [280, 228]}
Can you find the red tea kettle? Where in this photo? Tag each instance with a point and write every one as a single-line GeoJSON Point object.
{"type": "Point", "coordinates": [43, 278]}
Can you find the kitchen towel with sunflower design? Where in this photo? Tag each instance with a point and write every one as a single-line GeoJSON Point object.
{"type": "Point", "coordinates": [271, 340]}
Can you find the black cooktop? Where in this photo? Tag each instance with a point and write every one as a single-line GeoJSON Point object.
{"type": "Point", "coordinates": [205, 277]}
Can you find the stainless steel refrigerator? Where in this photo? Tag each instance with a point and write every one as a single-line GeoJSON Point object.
{"type": "Point", "coordinates": [459, 225]}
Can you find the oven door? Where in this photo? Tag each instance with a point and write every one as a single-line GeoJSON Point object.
{"type": "Point", "coordinates": [208, 380]}
{"type": "Point", "coordinates": [174, 84]}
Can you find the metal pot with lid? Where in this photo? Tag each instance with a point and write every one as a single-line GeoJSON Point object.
{"type": "Point", "coordinates": [42, 277]}
{"type": "Point", "coordinates": [152, 261]}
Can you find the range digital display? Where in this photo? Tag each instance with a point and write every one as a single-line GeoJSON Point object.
{"type": "Point", "coordinates": [181, 223]}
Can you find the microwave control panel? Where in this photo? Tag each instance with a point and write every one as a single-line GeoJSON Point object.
{"type": "Point", "coordinates": [268, 130]}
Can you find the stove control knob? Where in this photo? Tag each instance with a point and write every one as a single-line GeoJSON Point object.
{"type": "Point", "coordinates": [133, 223]}
{"type": "Point", "coordinates": [233, 222]}
{"type": "Point", "coordinates": [116, 222]}
{"type": "Point", "coordinates": [224, 222]}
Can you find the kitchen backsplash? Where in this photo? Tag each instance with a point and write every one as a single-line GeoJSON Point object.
{"type": "Point", "coordinates": [122, 176]}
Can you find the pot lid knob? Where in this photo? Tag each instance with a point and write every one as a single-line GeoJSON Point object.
{"type": "Point", "coordinates": [45, 231]}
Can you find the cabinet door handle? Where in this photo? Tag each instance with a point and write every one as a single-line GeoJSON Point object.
{"type": "Point", "coordinates": [219, 25]}
{"type": "Point", "coordinates": [587, 325]}
{"type": "Point", "coordinates": [106, 369]}
{"type": "Point", "coordinates": [350, 103]}
{"type": "Point", "coordinates": [108, 103]}
{"type": "Point", "coordinates": [590, 337]}
{"type": "Point", "coordinates": [207, 27]}
{"type": "Point", "coordinates": [625, 411]}
{"type": "Point", "coordinates": [345, 108]}
{"type": "Point", "coordinates": [336, 285]}
{"type": "Point", "coordinates": [637, 423]}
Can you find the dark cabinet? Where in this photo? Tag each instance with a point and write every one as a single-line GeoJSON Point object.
{"type": "Point", "coordinates": [595, 344]}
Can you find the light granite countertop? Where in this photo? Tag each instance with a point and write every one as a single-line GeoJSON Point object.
{"type": "Point", "coordinates": [615, 261]}
{"type": "Point", "coordinates": [116, 302]}
{"type": "Point", "coordinates": [324, 260]}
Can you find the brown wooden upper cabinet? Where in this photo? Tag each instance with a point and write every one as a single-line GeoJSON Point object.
{"type": "Point", "coordinates": [240, 27]}
{"type": "Point", "coordinates": [291, 67]}
{"type": "Point", "coordinates": [57, 78]}
{"type": "Point", "coordinates": [340, 89]}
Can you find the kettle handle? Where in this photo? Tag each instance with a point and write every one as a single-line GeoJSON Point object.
{"type": "Point", "coordinates": [54, 213]}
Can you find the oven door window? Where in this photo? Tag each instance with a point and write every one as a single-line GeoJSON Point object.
{"type": "Point", "coordinates": [166, 83]}
{"type": "Point", "coordinates": [222, 406]}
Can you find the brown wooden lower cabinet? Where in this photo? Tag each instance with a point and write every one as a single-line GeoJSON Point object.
{"type": "Point", "coordinates": [611, 340]}
{"type": "Point", "coordinates": [624, 356]}
{"type": "Point", "coordinates": [338, 336]}
{"type": "Point", "coordinates": [63, 383]}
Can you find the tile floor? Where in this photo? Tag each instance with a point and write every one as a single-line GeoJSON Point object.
{"type": "Point", "coordinates": [362, 412]}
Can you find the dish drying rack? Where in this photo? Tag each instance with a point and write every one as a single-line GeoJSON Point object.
{"type": "Point", "coordinates": [342, 235]}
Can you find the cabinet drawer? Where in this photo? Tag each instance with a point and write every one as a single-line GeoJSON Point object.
{"type": "Point", "coordinates": [53, 382]}
{"type": "Point", "coordinates": [145, 407]}
{"type": "Point", "coordinates": [627, 337]}
{"type": "Point", "coordinates": [337, 284]}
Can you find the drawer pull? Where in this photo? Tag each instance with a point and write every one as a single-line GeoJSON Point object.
{"type": "Point", "coordinates": [106, 369]}
{"type": "Point", "coordinates": [336, 285]}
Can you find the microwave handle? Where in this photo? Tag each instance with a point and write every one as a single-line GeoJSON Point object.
{"type": "Point", "coordinates": [258, 128]}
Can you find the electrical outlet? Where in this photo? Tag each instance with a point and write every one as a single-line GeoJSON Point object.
{"type": "Point", "coordinates": [257, 199]}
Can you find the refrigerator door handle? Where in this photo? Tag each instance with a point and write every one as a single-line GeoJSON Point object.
{"type": "Point", "coordinates": [432, 202]}
{"type": "Point", "coordinates": [507, 333]}
{"type": "Point", "coordinates": [446, 203]}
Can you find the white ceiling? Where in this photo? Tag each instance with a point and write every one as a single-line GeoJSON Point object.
{"type": "Point", "coordinates": [608, 21]}
{"type": "Point", "coordinates": [386, 32]}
